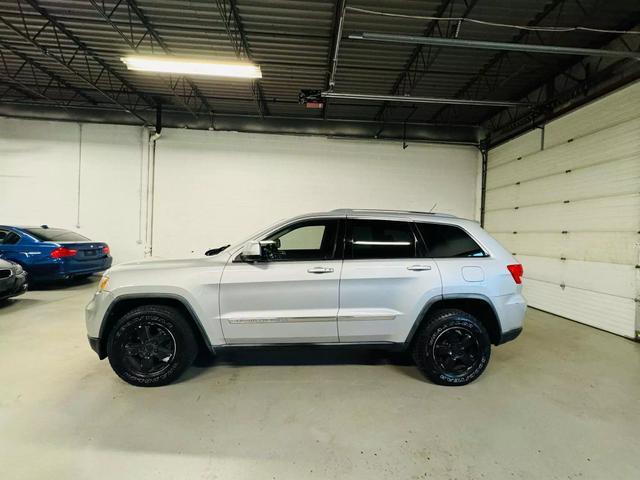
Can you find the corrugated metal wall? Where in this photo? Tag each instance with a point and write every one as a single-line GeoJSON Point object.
{"type": "Point", "coordinates": [566, 201]}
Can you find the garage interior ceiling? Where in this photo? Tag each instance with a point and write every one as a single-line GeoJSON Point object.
{"type": "Point", "coordinates": [61, 60]}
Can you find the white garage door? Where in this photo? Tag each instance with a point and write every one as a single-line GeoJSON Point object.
{"type": "Point", "coordinates": [570, 211]}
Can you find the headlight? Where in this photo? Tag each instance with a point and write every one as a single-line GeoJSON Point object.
{"type": "Point", "coordinates": [18, 269]}
{"type": "Point", "coordinates": [104, 283]}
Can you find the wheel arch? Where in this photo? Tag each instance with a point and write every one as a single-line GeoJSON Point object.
{"type": "Point", "coordinates": [126, 303]}
{"type": "Point", "coordinates": [477, 305]}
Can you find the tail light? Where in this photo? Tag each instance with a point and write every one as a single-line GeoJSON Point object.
{"type": "Point", "coordinates": [106, 250]}
{"type": "Point", "coordinates": [516, 271]}
{"type": "Point", "coordinates": [63, 252]}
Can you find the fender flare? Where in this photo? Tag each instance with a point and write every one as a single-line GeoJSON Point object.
{"type": "Point", "coordinates": [452, 296]}
{"type": "Point", "coordinates": [137, 296]}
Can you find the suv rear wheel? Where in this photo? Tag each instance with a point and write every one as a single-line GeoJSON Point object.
{"type": "Point", "coordinates": [151, 346]}
{"type": "Point", "coordinates": [452, 348]}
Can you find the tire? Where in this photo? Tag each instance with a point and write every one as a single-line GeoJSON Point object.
{"type": "Point", "coordinates": [452, 348]}
{"type": "Point", "coordinates": [151, 346]}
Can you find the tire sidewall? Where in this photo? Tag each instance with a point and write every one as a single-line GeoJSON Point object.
{"type": "Point", "coordinates": [180, 362]}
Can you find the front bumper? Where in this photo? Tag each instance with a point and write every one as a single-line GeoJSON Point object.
{"type": "Point", "coordinates": [13, 286]}
{"type": "Point", "coordinates": [95, 312]}
{"type": "Point", "coordinates": [96, 346]}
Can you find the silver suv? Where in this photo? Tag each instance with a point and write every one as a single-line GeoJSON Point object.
{"type": "Point", "coordinates": [434, 284]}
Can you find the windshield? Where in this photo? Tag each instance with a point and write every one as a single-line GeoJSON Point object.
{"type": "Point", "coordinates": [55, 235]}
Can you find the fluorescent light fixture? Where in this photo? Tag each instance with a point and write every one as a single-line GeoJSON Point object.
{"type": "Point", "coordinates": [189, 66]}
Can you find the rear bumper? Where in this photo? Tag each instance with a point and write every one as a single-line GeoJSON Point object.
{"type": "Point", "coordinates": [510, 335]}
{"type": "Point", "coordinates": [58, 270]}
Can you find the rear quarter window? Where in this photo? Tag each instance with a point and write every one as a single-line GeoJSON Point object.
{"type": "Point", "coordinates": [448, 241]}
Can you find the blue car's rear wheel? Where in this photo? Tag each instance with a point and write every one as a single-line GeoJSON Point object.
{"type": "Point", "coordinates": [151, 345]}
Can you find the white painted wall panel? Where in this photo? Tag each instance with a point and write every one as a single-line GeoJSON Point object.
{"type": "Point", "coordinates": [41, 164]}
{"type": "Point", "coordinates": [571, 213]}
{"type": "Point", "coordinates": [214, 188]}
{"type": "Point", "coordinates": [38, 172]}
{"type": "Point", "coordinates": [211, 187]}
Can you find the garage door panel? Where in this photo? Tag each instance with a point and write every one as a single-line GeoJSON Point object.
{"type": "Point", "coordinates": [570, 212]}
{"type": "Point", "coordinates": [613, 109]}
{"type": "Point", "coordinates": [605, 247]}
{"type": "Point", "coordinates": [607, 312]}
{"type": "Point", "coordinates": [522, 145]}
{"type": "Point", "coordinates": [618, 177]}
{"type": "Point", "coordinates": [612, 279]}
{"type": "Point", "coordinates": [618, 214]}
{"type": "Point", "coordinates": [620, 141]}
{"type": "Point", "coordinates": [501, 197]}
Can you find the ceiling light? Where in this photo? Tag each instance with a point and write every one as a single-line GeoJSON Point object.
{"type": "Point", "coordinates": [189, 66]}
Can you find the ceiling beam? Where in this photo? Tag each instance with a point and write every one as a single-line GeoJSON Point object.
{"type": "Point", "coordinates": [228, 11]}
{"type": "Point", "coordinates": [566, 90]}
{"type": "Point", "coordinates": [417, 65]}
{"type": "Point", "coordinates": [154, 34]}
{"type": "Point", "coordinates": [178, 118]}
{"type": "Point", "coordinates": [433, 100]}
{"type": "Point", "coordinates": [334, 47]}
{"type": "Point", "coordinates": [60, 82]}
{"type": "Point", "coordinates": [79, 63]}
{"type": "Point", "coordinates": [503, 55]}
{"type": "Point", "coordinates": [484, 45]}
{"type": "Point", "coordinates": [151, 35]}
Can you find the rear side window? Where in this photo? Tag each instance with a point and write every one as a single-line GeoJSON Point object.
{"type": "Point", "coordinates": [380, 239]}
{"type": "Point", "coordinates": [448, 241]}
{"type": "Point", "coordinates": [8, 238]}
{"type": "Point", "coordinates": [55, 235]}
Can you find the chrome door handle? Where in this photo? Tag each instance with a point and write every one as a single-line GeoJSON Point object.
{"type": "Point", "coordinates": [419, 268]}
{"type": "Point", "coordinates": [320, 270]}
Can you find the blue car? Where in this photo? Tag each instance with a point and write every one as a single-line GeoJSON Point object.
{"type": "Point", "coordinates": [50, 254]}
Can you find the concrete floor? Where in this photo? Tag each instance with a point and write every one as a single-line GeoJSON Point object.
{"type": "Point", "coordinates": [562, 401]}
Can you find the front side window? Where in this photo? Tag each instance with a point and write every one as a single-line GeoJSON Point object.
{"type": "Point", "coordinates": [448, 241]}
{"type": "Point", "coordinates": [380, 239]}
{"type": "Point", "coordinates": [307, 240]}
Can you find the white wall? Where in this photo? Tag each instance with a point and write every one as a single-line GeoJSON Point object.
{"type": "Point", "coordinates": [211, 188]}
{"type": "Point", "coordinates": [568, 204]}
{"type": "Point", "coordinates": [214, 188]}
{"type": "Point", "coordinates": [42, 164]}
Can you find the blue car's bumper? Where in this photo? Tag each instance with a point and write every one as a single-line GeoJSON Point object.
{"type": "Point", "coordinates": [63, 268]}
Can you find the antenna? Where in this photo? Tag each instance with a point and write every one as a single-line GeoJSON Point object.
{"type": "Point", "coordinates": [434, 206]}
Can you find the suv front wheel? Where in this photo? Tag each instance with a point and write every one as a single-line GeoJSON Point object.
{"type": "Point", "coordinates": [151, 345]}
{"type": "Point", "coordinates": [452, 347]}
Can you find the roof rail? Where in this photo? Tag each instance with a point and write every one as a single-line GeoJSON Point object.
{"type": "Point", "coordinates": [378, 210]}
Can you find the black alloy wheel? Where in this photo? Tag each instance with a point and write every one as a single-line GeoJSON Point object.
{"type": "Point", "coordinates": [149, 348]}
{"type": "Point", "coordinates": [456, 350]}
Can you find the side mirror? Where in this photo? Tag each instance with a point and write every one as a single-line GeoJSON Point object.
{"type": "Point", "coordinates": [252, 252]}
